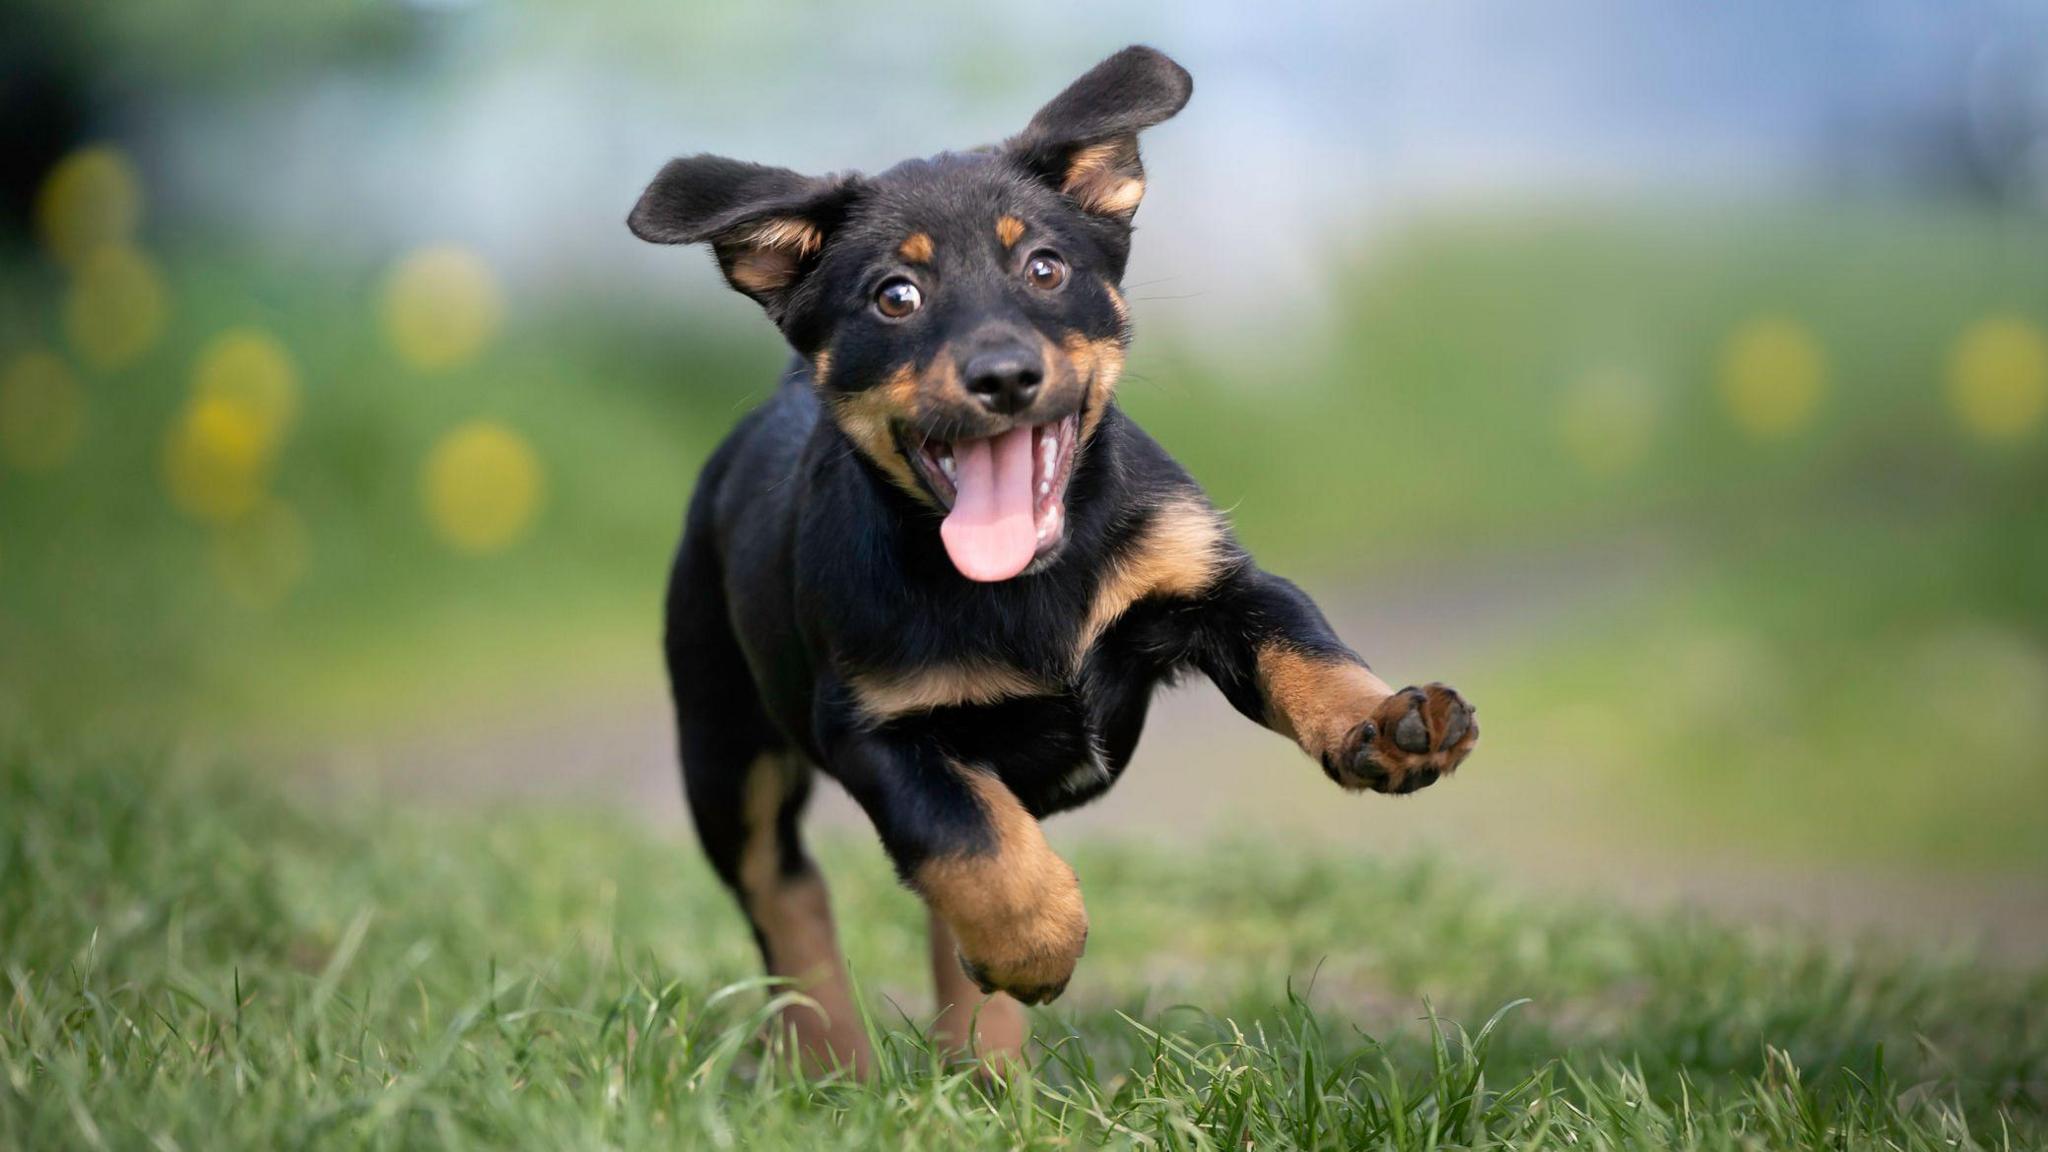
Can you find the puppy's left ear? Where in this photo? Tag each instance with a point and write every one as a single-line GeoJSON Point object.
{"type": "Point", "coordinates": [766, 225]}
{"type": "Point", "coordinates": [1085, 143]}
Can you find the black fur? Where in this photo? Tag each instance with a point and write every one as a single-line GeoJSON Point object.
{"type": "Point", "coordinates": [805, 564]}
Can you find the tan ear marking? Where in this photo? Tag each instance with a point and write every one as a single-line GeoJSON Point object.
{"type": "Point", "coordinates": [916, 248]}
{"type": "Point", "coordinates": [1089, 161]}
{"type": "Point", "coordinates": [1009, 230]}
{"type": "Point", "coordinates": [789, 234]}
{"type": "Point", "coordinates": [1118, 199]}
{"type": "Point", "coordinates": [764, 258]}
{"type": "Point", "coordinates": [1106, 178]}
{"type": "Point", "coordinates": [762, 270]}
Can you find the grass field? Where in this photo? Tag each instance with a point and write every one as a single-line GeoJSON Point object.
{"type": "Point", "coordinates": [194, 958]}
{"type": "Point", "coordinates": [1838, 663]}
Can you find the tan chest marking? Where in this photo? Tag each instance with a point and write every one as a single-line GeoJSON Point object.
{"type": "Point", "coordinates": [1180, 554]}
{"type": "Point", "coordinates": [944, 686]}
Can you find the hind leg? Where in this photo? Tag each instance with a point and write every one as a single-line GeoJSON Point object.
{"type": "Point", "coordinates": [746, 793]}
{"type": "Point", "coordinates": [758, 853]}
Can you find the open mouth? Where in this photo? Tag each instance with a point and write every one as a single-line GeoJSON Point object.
{"type": "Point", "coordinates": [1005, 495]}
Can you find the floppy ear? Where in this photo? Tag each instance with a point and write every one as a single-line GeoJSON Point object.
{"type": "Point", "coordinates": [765, 224]}
{"type": "Point", "coordinates": [1085, 143]}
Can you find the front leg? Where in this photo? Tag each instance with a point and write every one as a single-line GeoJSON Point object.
{"type": "Point", "coordinates": [963, 842]}
{"type": "Point", "coordinates": [1268, 647]}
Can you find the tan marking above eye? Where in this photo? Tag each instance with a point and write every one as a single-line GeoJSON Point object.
{"type": "Point", "coordinates": [916, 248]}
{"type": "Point", "coordinates": [1009, 230]}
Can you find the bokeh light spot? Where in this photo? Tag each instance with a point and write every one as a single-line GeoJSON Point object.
{"type": "Point", "coordinates": [252, 371]}
{"type": "Point", "coordinates": [1998, 379]}
{"type": "Point", "coordinates": [262, 555]}
{"type": "Point", "coordinates": [1607, 420]}
{"type": "Point", "coordinates": [42, 412]}
{"type": "Point", "coordinates": [482, 487]}
{"type": "Point", "coordinates": [441, 306]}
{"type": "Point", "coordinates": [114, 312]}
{"type": "Point", "coordinates": [91, 199]}
{"type": "Point", "coordinates": [1773, 373]}
{"type": "Point", "coordinates": [217, 459]}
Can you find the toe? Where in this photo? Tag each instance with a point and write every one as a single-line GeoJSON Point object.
{"type": "Point", "coordinates": [1411, 732]}
{"type": "Point", "coordinates": [1416, 779]}
{"type": "Point", "coordinates": [1459, 724]}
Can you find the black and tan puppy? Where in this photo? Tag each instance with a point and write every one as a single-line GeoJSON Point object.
{"type": "Point", "coordinates": [943, 567]}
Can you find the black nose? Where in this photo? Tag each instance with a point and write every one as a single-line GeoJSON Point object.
{"type": "Point", "coordinates": [1004, 380]}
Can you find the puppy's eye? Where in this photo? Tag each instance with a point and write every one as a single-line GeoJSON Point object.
{"type": "Point", "coordinates": [1045, 271]}
{"type": "Point", "coordinates": [898, 298]}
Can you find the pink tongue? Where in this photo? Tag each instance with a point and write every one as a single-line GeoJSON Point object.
{"type": "Point", "coordinates": [990, 534]}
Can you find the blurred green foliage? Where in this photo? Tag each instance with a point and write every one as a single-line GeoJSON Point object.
{"type": "Point", "coordinates": [1850, 629]}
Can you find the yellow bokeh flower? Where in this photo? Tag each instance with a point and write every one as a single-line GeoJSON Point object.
{"type": "Point", "coordinates": [217, 459]}
{"type": "Point", "coordinates": [1773, 374]}
{"type": "Point", "coordinates": [1998, 379]}
{"type": "Point", "coordinates": [263, 554]}
{"type": "Point", "coordinates": [441, 305]}
{"type": "Point", "coordinates": [1606, 421]}
{"type": "Point", "coordinates": [42, 412]}
{"type": "Point", "coordinates": [482, 487]}
{"type": "Point", "coordinates": [90, 200]}
{"type": "Point", "coordinates": [114, 312]}
{"type": "Point", "coordinates": [253, 371]}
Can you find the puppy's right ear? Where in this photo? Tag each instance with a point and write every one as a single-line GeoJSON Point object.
{"type": "Point", "coordinates": [766, 225]}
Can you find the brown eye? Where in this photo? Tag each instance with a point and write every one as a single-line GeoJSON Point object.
{"type": "Point", "coordinates": [898, 298]}
{"type": "Point", "coordinates": [1045, 271]}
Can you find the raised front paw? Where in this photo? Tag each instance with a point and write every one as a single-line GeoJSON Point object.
{"type": "Point", "coordinates": [1032, 960]}
{"type": "Point", "coordinates": [1416, 736]}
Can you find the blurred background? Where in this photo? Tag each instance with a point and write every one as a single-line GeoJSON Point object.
{"type": "Point", "coordinates": [1671, 378]}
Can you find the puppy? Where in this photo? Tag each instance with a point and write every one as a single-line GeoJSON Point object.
{"type": "Point", "coordinates": [941, 565]}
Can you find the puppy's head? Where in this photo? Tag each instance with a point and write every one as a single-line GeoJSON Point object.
{"type": "Point", "coordinates": [961, 314]}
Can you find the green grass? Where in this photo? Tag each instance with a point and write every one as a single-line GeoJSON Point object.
{"type": "Point", "coordinates": [191, 958]}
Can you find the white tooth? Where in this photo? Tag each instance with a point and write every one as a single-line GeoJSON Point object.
{"type": "Point", "coordinates": [947, 466]}
{"type": "Point", "coordinates": [1045, 487]}
{"type": "Point", "coordinates": [1052, 449]}
{"type": "Point", "coordinates": [1041, 532]}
